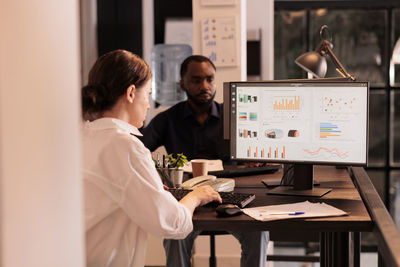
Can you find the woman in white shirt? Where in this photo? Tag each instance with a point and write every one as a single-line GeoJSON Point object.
{"type": "Point", "coordinates": [124, 196]}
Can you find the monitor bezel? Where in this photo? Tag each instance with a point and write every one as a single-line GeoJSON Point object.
{"type": "Point", "coordinates": [228, 120]}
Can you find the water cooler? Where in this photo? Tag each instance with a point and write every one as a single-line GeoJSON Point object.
{"type": "Point", "coordinates": [166, 60]}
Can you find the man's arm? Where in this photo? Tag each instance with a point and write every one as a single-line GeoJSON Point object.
{"type": "Point", "coordinates": [154, 133]}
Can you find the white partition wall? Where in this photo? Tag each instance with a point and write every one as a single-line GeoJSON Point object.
{"type": "Point", "coordinates": [40, 172]}
{"type": "Point", "coordinates": [260, 17]}
{"type": "Point", "coordinates": [219, 32]}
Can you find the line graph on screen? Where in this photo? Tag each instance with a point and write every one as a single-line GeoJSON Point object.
{"type": "Point", "coordinates": [326, 152]}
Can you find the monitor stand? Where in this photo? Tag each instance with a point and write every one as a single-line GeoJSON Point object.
{"type": "Point", "coordinates": [303, 180]}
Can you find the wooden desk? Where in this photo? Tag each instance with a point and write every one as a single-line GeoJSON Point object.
{"type": "Point", "coordinates": [339, 236]}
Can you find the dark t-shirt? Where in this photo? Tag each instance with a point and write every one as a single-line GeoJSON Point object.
{"type": "Point", "coordinates": [178, 130]}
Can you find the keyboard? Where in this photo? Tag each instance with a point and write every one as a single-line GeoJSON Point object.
{"type": "Point", "coordinates": [247, 171]}
{"type": "Point", "coordinates": [239, 199]}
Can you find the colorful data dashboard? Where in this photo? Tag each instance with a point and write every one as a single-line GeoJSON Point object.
{"type": "Point", "coordinates": [300, 122]}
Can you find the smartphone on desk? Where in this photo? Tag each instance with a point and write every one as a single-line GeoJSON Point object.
{"type": "Point", "coordinates": [218, 184]}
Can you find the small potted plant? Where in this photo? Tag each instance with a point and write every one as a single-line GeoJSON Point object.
{"type": "Point", "coordinates": [170, 169]}
{"type": "Point", "coordinates": [175, 162]}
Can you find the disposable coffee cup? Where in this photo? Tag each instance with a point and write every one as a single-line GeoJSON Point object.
{"type": "Point", "coordinates": [199, 167]}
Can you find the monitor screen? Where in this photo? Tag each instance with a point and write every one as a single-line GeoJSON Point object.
{"type": "Point", "coordinates": [298, 122]}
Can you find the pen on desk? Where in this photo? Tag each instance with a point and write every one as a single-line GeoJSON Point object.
{"type": "Point", "coordinates": [287, 213]}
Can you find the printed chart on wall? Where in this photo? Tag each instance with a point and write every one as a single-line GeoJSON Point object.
{"type": "Point", "coordinates": [219, 40]}
{"type": "Point", "coordinates": [302, 124]}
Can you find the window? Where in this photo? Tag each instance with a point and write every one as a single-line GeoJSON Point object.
{"type": "Point", "coordinates": [366, 39]}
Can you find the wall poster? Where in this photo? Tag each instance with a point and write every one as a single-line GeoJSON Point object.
{"type": "Point", "coordinates": [219, 38]}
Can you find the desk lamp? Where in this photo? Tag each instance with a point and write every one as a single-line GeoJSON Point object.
{"type": "Point", "coordinates": [315, 62]}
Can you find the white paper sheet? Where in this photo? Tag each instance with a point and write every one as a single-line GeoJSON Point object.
{"type": "Point", "coordinates": [309, 210]}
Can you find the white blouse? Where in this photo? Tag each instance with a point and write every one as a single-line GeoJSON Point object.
{"type": "Point", "coordinates": [124, 197]}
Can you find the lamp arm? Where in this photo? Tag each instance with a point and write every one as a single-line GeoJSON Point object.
{"type": "Point", "coordinates": [339, 66]}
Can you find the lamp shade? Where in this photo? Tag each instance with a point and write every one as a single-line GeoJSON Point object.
{"type": "Point", "coordinates": [313, 63]}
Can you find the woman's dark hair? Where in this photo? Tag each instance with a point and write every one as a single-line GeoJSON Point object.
{"type": "Point", "coordinates": [109, 78]}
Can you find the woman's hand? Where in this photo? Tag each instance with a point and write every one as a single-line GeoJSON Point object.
{"type": "Point", "coordinates": [205, 194]}
{"type": "Point", "coordinates": [200, 196]}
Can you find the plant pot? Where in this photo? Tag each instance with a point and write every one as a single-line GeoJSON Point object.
{"type": "Point", "coordinates": [176, 177]}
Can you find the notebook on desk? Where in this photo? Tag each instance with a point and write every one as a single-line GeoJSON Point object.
{"type": "Point", "coordinates": [245, 171]}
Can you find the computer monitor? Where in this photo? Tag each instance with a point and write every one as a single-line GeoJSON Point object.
{"type": "Point", "coordinates": [304, 123]}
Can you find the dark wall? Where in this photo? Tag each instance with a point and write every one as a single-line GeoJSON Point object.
{"type": "Point", "coordinates": [164, 9]}
{"type": "Point", "coordinates": [119, 25]}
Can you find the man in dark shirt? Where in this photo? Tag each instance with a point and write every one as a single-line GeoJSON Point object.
{"type": "Point", "coordinates": [178, 130]}
{"type": "Point", "coordinates": [194, 128]}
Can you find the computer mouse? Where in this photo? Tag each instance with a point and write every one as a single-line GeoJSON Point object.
{"type": "Point", "coordinates": [226, 210]}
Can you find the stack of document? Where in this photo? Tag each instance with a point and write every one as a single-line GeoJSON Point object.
{"type": "Point", "coordinates": [304, 209]}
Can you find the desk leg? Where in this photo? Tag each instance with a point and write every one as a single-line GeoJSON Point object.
{"type": "Point", "coordinates": [334, 249]}
{"type": "Point", "coordinates": [355, 248]}
{"type": "Point", "coordinates": [212, 260]}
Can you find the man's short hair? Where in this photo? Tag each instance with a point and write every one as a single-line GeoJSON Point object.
{"type": "Point", "coordinates": [196, 58]}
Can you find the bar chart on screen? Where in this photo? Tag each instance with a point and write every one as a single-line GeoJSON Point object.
{"type": "Point", "coordinates": [329, 130]}
{"type": "Point", "coordinates": [267, 152]}
{"type": "Point", "coordinates": [291, 103]}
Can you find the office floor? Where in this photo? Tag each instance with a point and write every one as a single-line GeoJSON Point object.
{"type": "Point", "coordinates": [367, 259]}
